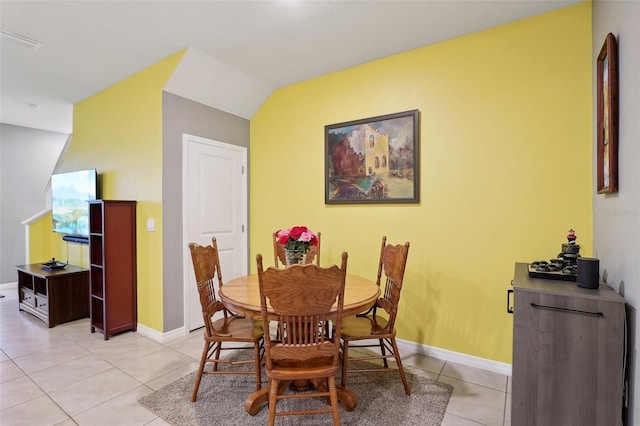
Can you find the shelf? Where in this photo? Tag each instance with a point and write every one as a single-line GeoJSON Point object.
{"type": "Point", "coordinates": [97, 314]}
{"type": "Point", "coordinates": [95, 218]}
{"type": "Point", "coordinates": [98, 325]}
{"type": "Point", "coordinates": [95, 250]}
{"type": "Point", "coordinates": [25, 280]}
{"type": "Point", "coordinates": [97, 281]}
{"type": "Point", "coordinates": [40, 285]}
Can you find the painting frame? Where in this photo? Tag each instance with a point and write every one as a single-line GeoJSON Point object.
{"type": "Point", "coordinates": [373, 160]}
{"type": "Point", "coordinates": [607, 117]}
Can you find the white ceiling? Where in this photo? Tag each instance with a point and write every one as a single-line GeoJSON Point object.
{"type": "Point", "coordinates": [89, 45]}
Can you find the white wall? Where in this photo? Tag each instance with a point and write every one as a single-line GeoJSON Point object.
{"type": "Point", "coordinates": [616, 217]}
{"type": "Point", "coordinates": [27, 159]}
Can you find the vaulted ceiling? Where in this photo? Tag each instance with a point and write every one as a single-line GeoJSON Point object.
{"type": "Point", "coordinates": [89, 45]}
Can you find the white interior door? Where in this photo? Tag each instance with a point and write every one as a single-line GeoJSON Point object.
{"type": "Point", "coordinates": [215, 205]}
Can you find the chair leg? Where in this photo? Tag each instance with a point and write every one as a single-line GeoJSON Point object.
{"type": "Point", "coordinates": [333, 396]}
{"type": "Point", "coordinates": [400, 368]}
{"type": "Point", "coordinates": [273, 399]}
{"type": "Point", "coordinates": [217, 356]}
{"type": "Point", "coordinates": [257, 362]}
{"type": "Point", "coordinates": [345, 362]}
{"type": "Point", "coordinates": [203, 359]}
{"type": "Point", "coordinates": [383, 352]}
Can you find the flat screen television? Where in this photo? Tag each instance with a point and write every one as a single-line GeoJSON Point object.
{"type": "Point", "coordinates": [70, 193]}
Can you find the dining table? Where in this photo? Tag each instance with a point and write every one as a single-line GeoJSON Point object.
{"type": "Point", "coordinates": [242, 296]}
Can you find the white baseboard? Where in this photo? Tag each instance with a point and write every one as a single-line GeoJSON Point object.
{"type": "Point", "coordinates": [405, 346]}
{"type": "Point", "coordinates": [8, 286]}
{"type": "Point", "coordinates": [161, 337]}
{"type": "Point", "coordinates": [408, 347]}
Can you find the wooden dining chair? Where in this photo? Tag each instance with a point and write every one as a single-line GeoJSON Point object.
{"type": "Point", "coordinates": [313, 254]}
{"type": "Point", "coordinates": [231, 329]}
{"type": "Point", "coordinates": [299, 301]}
{"type": "Point", "coordinates": [371, 326]}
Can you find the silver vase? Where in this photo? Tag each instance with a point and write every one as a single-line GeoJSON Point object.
{"type": "Point", "coordinates": [295, 257]}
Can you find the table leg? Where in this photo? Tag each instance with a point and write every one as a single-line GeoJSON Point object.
{"type": "Point", "coordinates": [254, 402]}
{"type": "Point", "coordinates": [300, 385]}
{"type": "Point", "coordinates": [347, 398]}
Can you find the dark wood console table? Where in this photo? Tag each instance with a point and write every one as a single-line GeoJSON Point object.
{"type": "Point", "coordinates": [56, 296]}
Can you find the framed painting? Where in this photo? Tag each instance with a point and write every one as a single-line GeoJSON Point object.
{"type": "Point", "coordinates": [607, 116]}
{"type": "Point", "coordinates": [373, 160]}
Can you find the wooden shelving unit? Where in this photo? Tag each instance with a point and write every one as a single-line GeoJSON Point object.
{"type": "Point", "coordinates": [112, 271]}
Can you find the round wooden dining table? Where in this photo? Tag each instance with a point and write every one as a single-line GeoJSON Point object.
{"type": "Point", "coordinates": [242, 295]}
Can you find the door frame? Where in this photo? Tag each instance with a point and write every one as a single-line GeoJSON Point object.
{"type": "Point", "coordinates": [187, 268]}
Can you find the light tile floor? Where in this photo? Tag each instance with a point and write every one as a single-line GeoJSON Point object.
{"type": "Point", "coordinates": [67, 376]}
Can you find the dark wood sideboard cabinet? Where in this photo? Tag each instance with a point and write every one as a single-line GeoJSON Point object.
{"type": "Point", "coordinates": [568, 353]}
{"type": "Point", "coordinates": [54, 296]}
{"type": "Point", "coordinates": [113, 274]}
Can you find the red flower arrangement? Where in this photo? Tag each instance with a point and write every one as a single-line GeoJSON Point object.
{"type": "Point", "coordinates": [297, 238]}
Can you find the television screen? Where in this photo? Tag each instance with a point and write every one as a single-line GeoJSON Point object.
{"type": "Point", "coordinates": [69, 195]}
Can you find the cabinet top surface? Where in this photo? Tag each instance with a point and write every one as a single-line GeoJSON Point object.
{"type": "Point", "coordinates": [522, 281]}
{"type": "Point", "coordinates": [100, 201]}
{"type": "Point", "coordinates": [37, 270]}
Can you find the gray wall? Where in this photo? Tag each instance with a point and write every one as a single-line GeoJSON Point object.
{"type": "Point", "coordinates": [27, 159]}
{"type": "Point", "coordinates": [179, 116]}
{"type": "Point", "coordinates": [616, 217]}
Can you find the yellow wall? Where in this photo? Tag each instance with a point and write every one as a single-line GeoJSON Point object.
{"type": "Point", "coordinates": [119, 132]}
{"type": "Point", "coordinates": [505, 170]}
{"type": "Point", "coordinates": [45, 244]}
{"type": "Point", "coordinates": [42, 249]}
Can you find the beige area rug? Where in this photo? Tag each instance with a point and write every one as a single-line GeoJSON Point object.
{"type": "Point", "coordinates": [381, 401]}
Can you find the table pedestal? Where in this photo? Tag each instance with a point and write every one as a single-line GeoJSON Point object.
{"type": "Point", "coordinates": [254, 402]}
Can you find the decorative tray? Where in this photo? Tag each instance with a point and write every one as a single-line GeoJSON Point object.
{"type": "Point", "coordinates": [552, 275]}
{"type": "Point", "coordinates": [50, 266]}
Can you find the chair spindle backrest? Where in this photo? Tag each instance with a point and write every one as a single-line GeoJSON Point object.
{"type": "Point", "coordinates": [300, 299]}
{"type": "Point", "coordinates": [206, 266]}
{"type": "Point", "coordinates": [393, 260]}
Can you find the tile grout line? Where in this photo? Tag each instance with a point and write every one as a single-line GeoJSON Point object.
{"type": "Point", "coordinates": [41, 389]}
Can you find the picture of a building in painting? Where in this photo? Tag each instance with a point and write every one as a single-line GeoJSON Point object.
{"type": "Point", "coordinates": [364, 151]}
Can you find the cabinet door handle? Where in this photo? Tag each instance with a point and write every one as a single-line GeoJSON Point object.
{"type": "Point", "coordinates": [576, 311]}
{"type": "Point", "coordinates": [509, 304]}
